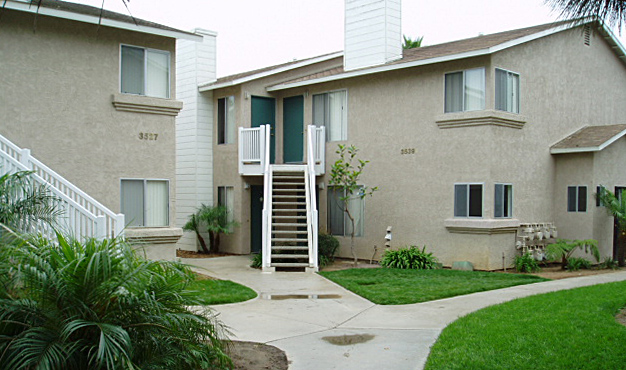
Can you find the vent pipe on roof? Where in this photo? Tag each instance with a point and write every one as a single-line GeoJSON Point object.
{"type": "Point", "coordinates": [373, 33]}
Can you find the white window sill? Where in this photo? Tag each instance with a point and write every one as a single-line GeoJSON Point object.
{"type": "Point", "coordinates": [486, 117]}
{"type": "Point", "coordinates": [146, 104]}
{"type": "Point", "coordinates": [153, 235]}
{"type": "Point", "coordinates": [481, 226]}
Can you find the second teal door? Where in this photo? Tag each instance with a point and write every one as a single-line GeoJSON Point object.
{"type": "Point", "coordinates": [293, 129]}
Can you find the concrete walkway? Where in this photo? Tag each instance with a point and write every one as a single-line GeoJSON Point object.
{"type": "Point", "coordinates": [333, 328]}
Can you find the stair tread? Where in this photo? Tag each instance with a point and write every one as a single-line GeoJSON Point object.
{"type": "Point", "coordinates": [288, 240]}
{"type": "Point", "coordinates": [289, 248]}
{"type": "Point", "coordinates": [289, 224]}
{"type": "Point", "coordinates": [289, 256]}
{"type": "Point", "coordinates": [295, 264]}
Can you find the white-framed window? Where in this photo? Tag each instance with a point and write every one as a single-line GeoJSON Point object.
{"type": "Point", "coordinates": [331, 110]}
{"type": "Point", "coordinates": [144, 71]}
{"type": "Point", "coordinates": [577, 198]}
{"type": "Point", "coordinates": [507, 91]}
{"type": "Point", "coordinates": [600, 190]}
{"type": "Point", "coordinates": [338, 220]}
{"type": "Point", "coordinates": [226, 198]}
{"type": "Point", "coordinates": [145, 202]}
{"type": "Point", "coordinates": [226, 120]}
{"type": "Point", "coordinates": [468, 200]}
{"type": "Point", "coordinates": [503, 201]}
{"type": "Point", "coordinates": [465, 90]}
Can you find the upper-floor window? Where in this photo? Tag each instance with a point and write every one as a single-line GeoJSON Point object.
{"type": "Point", "coordinates": [503, 201]}
{"type": "Point", "coordinates": [226, 120]}
{"type": "Point", "coordinates": [576, 199]}
{"type": "Point", "coordinates": [331, 110]}
{"type": "Point", "coordinates": [507, 91]}
{"type": "Point", "coordinates": [145, 202]}
{"type": "Point", "coordinates": [468, 200]}
{"type": "Point", "coordinates": [145, 72]}
{"type": "Point", "coordinates": [465, 90]}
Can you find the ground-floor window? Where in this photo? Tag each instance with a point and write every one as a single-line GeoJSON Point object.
{"type": "Point", "coordinates": [503, 201]}
{"type": "Point", "coordinates": [468, 200]}
{"type": "Point", "coordinates": [226, 198]}
{"type": "Point", "coordinates": [338, 221]}
{"type": "Point", "coordinates": [145, 202]}
{"type": "Point", "coordinates": [576, 199]}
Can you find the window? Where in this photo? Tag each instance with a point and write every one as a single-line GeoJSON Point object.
{"type": "Point", "coordinates": [226, 198]}
{"type": "Point", "coordinates": [145, 72]}
{"type": "Point", "coordinates": [226, 120]}
{"type": "Point", "coordinates": [338, 220]}
{"type": "Point", "coordinates": [468, 200]}
{"type": "Point", "coordinates": [503, 203]}
{"type": "Point", "coordinates": [576, 199]}
{"type": "Point", "coordinates": [465, 90]}
{"type": "Point", "coordinates": [145, 203]}
{"type": "Point", "coordinates": [330, 110]}
{"type": "Point", "coordinates": [507, 91]}
{"type": "Point", "coordinates": [600, 190]}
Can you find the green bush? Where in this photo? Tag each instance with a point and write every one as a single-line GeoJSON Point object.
{"type": "Point", "coordinates": [609, 263]}
{"type": "Point", "coordinates": [577, 263]}
{"type": "Point", "coordinates": [257, 261]}
{"type": "Point", "coordinates": [97, 305]}
{"type": "Point", "coordinates": [327, 246]}
{"type": "Point", "coordinates": [409, 258]}
{"type": "Point", "coordinates": [526, 263]}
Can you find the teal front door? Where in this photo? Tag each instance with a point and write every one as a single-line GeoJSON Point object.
{"type": "Point", "coordinates": [264, 113]}
{"type": "Point", "coordinates": [293, 129]}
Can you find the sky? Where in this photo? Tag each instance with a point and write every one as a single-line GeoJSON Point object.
{"type": "Point", "coordinates": [258, 33]}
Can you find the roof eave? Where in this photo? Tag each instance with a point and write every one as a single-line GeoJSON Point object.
{"type": "Point", "coordinates": [85, 18]}
{"type": "Point", "coordinates": [208, 86]}
{"type": "Point", "coordinates": [589, 149]}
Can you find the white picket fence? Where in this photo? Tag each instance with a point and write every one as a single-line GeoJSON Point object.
{"type": "Point", "coordinates": [81, 215]}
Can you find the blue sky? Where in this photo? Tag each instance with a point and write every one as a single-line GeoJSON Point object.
{"type": "Point", "coordinates": [254, 34]}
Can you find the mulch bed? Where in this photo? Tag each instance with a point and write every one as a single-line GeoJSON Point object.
{"type": "Point", "coordinates": [256, 356]}
{"type": "Point", "coordinates": [191, 254]}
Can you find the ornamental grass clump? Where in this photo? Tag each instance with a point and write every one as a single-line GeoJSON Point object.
{"type": "Point", "coordinates": [97, 305]}
{"type": "Point", "coordinates": [409, 258]}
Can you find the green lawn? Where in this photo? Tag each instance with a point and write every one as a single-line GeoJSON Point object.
{"type": "Point", "coordinates": [221, 291]}
{"type": "Point", "coordinates": [571, 329]}
{"type": "Point", "coordinates": [395, 286]}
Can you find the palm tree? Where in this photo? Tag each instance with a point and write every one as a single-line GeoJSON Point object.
{"type": "Point", "coordinates": [97, 305]}
{"type": "Point", "coordinates": [23, 202]}
{"type": "Point", "coordinates": [215, 218]}
{"type": "Point", "coordinates": [410, 43]}
{"type": "Point", "coordinates": [616, 207]}
{"type": "Point", "coordinates": [612, 12]}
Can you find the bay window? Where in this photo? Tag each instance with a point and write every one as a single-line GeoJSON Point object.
{"type": "Point", "coordinates": [465, 90]}
{"type": "Point", "coordinates": [507, 91]}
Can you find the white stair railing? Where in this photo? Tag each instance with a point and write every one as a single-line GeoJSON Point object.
{"type": "Point", "coordinates": [317, 141]}
{"type": "Point", "coordinates": [311, 203]}
{"type": "Point", "coordinates": [82, 215]}
{"type": "Point", "coordinates": [267, 202]}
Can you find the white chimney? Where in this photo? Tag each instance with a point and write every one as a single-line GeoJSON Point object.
{"type": "Point", "coordinates": [373, 33]}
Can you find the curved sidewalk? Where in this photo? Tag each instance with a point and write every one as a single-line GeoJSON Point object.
{"type": "Point", "coordinates": [321, 325]}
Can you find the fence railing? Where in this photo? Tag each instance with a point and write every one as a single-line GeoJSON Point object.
{"type": "Point", "coordinates": [252, 150]}
{"type": "Point", "coordinates": [317, 141]}
{"type": "Point", "coordinates": [81, 215]}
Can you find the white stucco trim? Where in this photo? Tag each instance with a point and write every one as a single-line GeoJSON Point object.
{"type": "Point", "coordinates": [207, 86]}
{"type": "Point", "coordinates": [27, 7]}
{"type": "Point", "coordinates": [617, 46]}
{"type": "Point", "coordinates": [481, 226]}
{"type": "Point", "coordinates": [589, 148]}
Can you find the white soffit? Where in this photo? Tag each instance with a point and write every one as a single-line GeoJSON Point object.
{"type": "Point", "coordinates": [85, 18]}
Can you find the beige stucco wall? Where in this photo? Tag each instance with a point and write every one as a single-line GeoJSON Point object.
{"type": "Point", "coordinates": [564, 85]}
{"type": "Point", "coordinates": [57, 84]}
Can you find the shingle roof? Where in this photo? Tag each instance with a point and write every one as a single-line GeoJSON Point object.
{"type": "Point", "coordinates": [98, 12]}
{"type": "Point", "coordinates": [589, 139]}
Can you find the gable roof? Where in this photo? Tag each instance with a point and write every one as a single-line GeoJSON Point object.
{"type": "Point", "coordinates": [90, 14]}
{"type": "Point", "coordinates": [589, 139]}
{"type": "Point", "coordinates": [461, 49]}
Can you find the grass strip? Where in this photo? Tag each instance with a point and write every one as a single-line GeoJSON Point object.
{"type": "Point", "coordinates": [395, 286]}
{"type": "Point", "coordinates": [211, 292]}
{"type": "Point", "coordinates": [571, 329]}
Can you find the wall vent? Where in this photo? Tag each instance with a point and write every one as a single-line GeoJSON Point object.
{"type": "Point", "coordinates": [587, 35]}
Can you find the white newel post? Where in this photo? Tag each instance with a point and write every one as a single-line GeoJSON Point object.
{"type": "Point", "coordinates": [25, 158]}
{"type": "Point", "coordinates": [100, 227]}
{"type": "Point", "coordinates": [120, 220]}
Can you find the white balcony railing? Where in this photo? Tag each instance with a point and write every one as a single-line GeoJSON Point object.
{"type": "Point", "coordinates": [82, 216]}
{"type": "Point", "coordinates": [317, 141]}
{"type": "Point", "coordinates": [252, 150]}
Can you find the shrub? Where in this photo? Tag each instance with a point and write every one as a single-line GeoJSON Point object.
{"type": "Point", "coordinates": [327, 246]}
{"type": "Point", "coordinates": [577, 263]}
{"type": "Point", "coordinates": [97, 305]}
{"type": "Point", "coordinates": [526, 263]}
{"type": "Point", "coordinates": [563, 249]}
{"type": "Point", "coordinates": [409, 258]}
{"type": "Point", "coordinates": [257, 261]}
{"type": "Point", "coordinates": [609, 263]}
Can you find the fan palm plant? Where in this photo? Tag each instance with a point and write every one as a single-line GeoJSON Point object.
{"type": "Point", "coordinates": [215, 219]}
{"type": "Point", "coordinates": [97, 305]}
{"type": "Point", "coordinates": [410, 43]}
{"type": "Point", "coordinates": [612, 12]}
{"type": "Point", "coordinates": [23, 202]}
{"type": "Point", "coordinates": [616, 206]}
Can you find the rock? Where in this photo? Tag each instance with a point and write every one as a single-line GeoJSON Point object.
{"type": "Point", "coordinates": [463, 265]}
